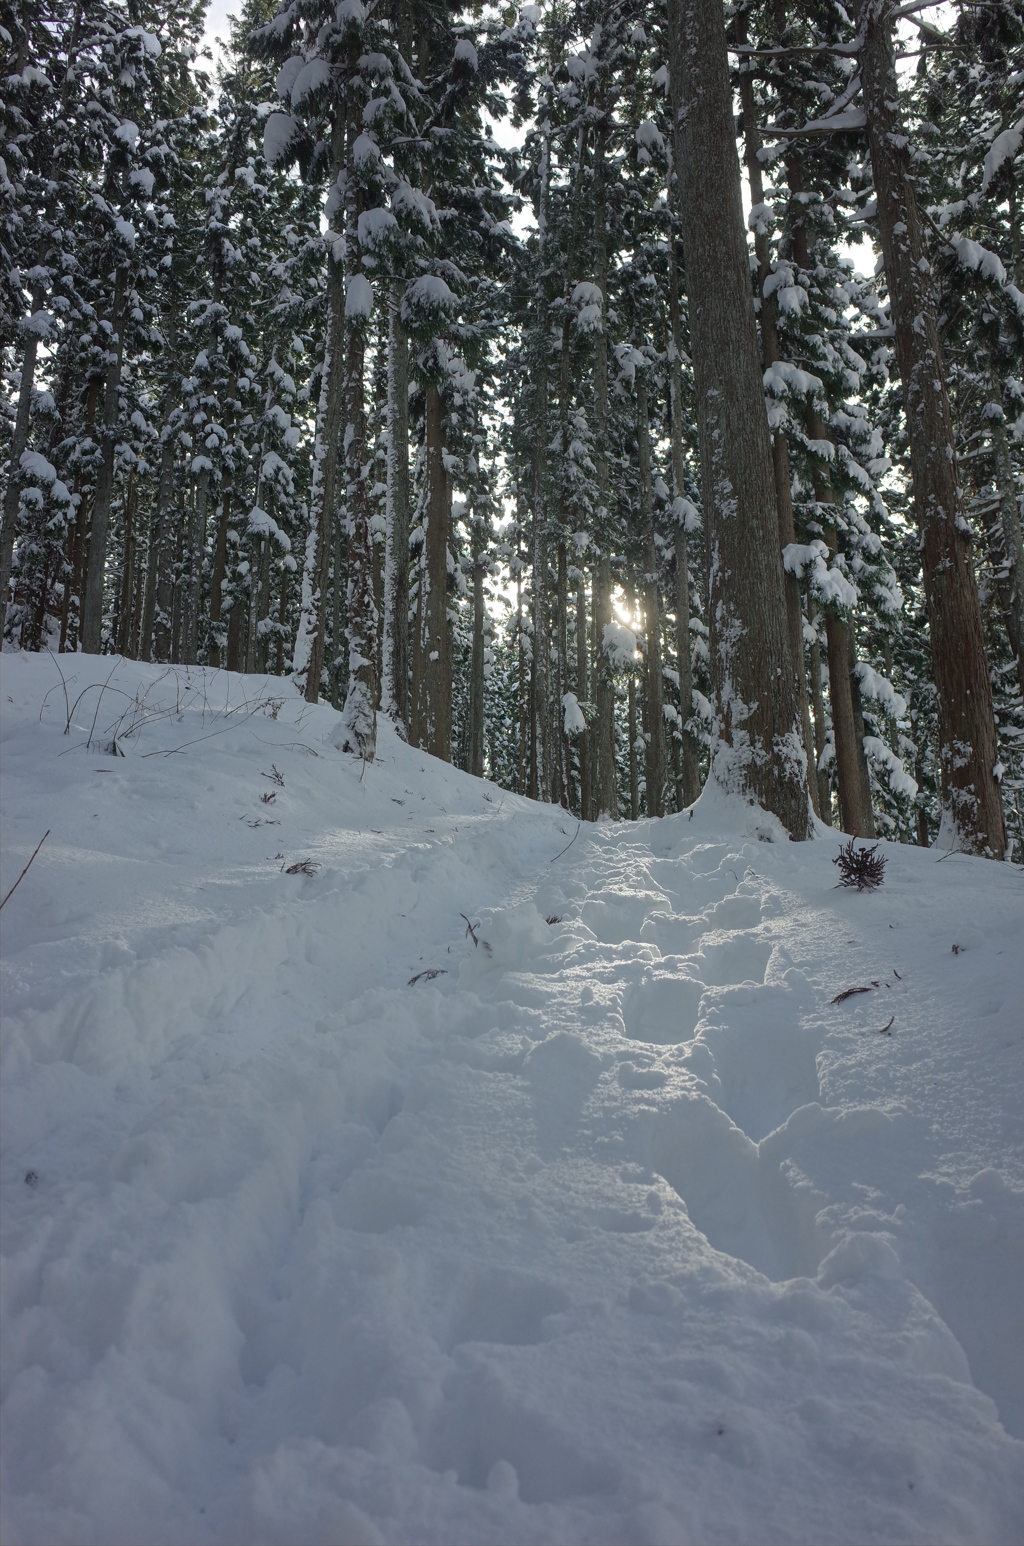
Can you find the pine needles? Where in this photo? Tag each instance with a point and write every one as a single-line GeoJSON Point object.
{"type": "Point", "coordinates": [860, 867]}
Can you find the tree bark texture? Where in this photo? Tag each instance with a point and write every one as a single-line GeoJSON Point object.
{"type": "Point", "coordinates": [1005, 545]}
{"type": "Point", "coordinates": [309, 643]}
{"type": "Point", "coordinates": [12, 493]}
{"type": "Point", "coordinates": [157, 621]}
{"type": "Point", "coordinates": [656, 767]}
{"type": "Point", "coordinates": [605, 794]}
{"type": "Point", "coordinates": [967, 737]}
{"type": "Point", "coordinates": [395, 654]}
{"type": "Point", "coordinates": [359, 716]}
{"type": "Point", "coordinates": [758, 751]}
{"type": "Point", "coordinates": [688, 758]}
{"type": "Point", "coordinates": [92, 604]}
{"type": "Point", "coordinates": [770, 353]}
{"type": "Point", "coordinates": [437, 665]}
{"type": "Point", "coordinates": [475, 761]}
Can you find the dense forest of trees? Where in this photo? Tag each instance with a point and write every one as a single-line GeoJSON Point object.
{"type": "Point", "coordinates": [424, 352]}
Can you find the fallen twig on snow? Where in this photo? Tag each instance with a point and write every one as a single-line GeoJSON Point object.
{"type": "Point", "coordinates": [302, 866]}
{"type": "Point", "coordinates": [471, 933]}
{"type": "Point", "coordinates": [28, 866]}
{"type": "Point", "coordinates": [568, 845]}
{"type": "Point", "coordinates": [429, 975]}
{"type": "Point", "coordinates": [885, 1031]}
{"type": "Point", "coordinates": [849, 992]}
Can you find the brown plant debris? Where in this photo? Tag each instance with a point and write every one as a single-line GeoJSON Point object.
{"type": "Point", "coordinates": [860, 867]}
{"type": "Point", "coordinates": [849, 992]}
{"type": "Point", "coordinates": [303, 867]}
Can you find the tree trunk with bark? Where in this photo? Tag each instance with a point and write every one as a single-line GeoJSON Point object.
{"type": "Point", "coordinates": [582, 673]}
{"type": "Point", "coordinates": [543, 751]}
{"type": "Point", "coordinates": [123, 631]}
{"type": "Point", "coordinates": [1005, 545]}
{"type": "Point", "coordinates": [656, 766]}
{"type": "Point", "coordinates": [820, 737]}
{"type": "Point", "coordinates": [967, 737]}
{"type": "Point", "coordinates": [19, 442]}
{"type": "Point", "coordinates": [475, 760]}
{"type": "Point", "coordinates": [395, 654]}
{"type": "Point", "coordinates": [758, 751]}
{"type": "Point", "coordinates": [197, 549]}
{"type": "Point", "coordinates": [436, 645]}
{"type": "Point", "coordinates": [157, 623]}
{"type": "Point", "coordinates": [689, 762]}
{"type": "Point", "coordinates": [309, 641]}
{"type": "Point", "coordinates": [771, 353]}
{"type": "Point", "coordinates": [359, 716]}
{"type": "Point", "coordinates": [605, 794]}
{"type": "Point", "coordinates": [855, 814]}
{"type": "Point", "coordinates": [92, 602]}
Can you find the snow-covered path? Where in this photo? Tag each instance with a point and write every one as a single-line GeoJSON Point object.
{"type": "Point", "coordinates": [614, 1228]}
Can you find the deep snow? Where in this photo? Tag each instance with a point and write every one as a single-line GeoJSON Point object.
{"type": "Point", "coordinates": [616, 1229]}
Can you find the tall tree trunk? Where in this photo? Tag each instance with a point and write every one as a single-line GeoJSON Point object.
{"type": "Point", "coordinates": [634, 771]}
{"type": "Point", "coordinates": [436, 671]}
{"type": "Point", "coordinates": [758, 751]}
{"type": "Point", "coordinates": [19, 443]}
{"type": "Point", "coordinates": [560, 787]}
{"type": "Point", "coordinates": [476, 668]}
{"type": "Point", "coordinates": [656, 774]}
{"type": "Point", "coordinates": [771, 354]}
{"type": "Point", "coordinates": [395, 655]}
{"type": "Point", "coordinates": [820, 736]}
{"type": "Point", "coordinates": [582, 673]}
{"type": "Point", "coordinates": [308, 660]}
{"type": "Point", "coordinates": [282, 620]}
{"type": "Point", "coordinates": [164, 556]}
{"type": "Point", "coordinates": [154, 639]}
{"type": "Point", "coordinates": [540, 780]}
{"type": "Point", "coordinates": [197, 550]}
{"type": "Point", "coordinates": [236, 619]}
{"type": "Point", "coordinates": [967, 737]}
{"type": "Point", "coordinates": [359, 716]}
{"type": "Point", "coordinates": [689, 764]}
{"type": "Point", "coordinates": [337, 674]}
{"type": "Point", "coordinates": [543, 759]}
{"type": "Point", "coordinates": [855, 814]}
{"type": "Point", "coordinates": [71, 613]}
{"type": "Point", "coordinates": [605, 793]}
{"type": "Point", "coordinates": [1005, 545]}
{"type": "Point", "coordinates": [92, 605]}
{"type": "Point", "coordinates": [521, 695]}
{"type": "Point", "coordinates": [124, 610]}
{"type": "Point", "coordinates": [859, 733]}
{"type": "Point", "coordinates": [566, 513]}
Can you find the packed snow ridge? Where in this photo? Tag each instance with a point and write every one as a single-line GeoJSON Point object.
{"type": "Point", "coordinates": [387, 1159]}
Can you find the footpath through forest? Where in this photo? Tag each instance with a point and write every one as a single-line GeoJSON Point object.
{"type": "Point", "coordinates": [385, 1159]}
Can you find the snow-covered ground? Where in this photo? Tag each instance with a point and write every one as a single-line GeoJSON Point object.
{"type": "Point", "coordinates": [475, 1187]}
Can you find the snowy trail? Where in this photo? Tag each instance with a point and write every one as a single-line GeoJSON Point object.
{"type": "Point", "coordinates": [615, 1229]}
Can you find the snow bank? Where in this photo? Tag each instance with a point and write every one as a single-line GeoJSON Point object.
{"type": "Point", "coordinates": [385, 1160]}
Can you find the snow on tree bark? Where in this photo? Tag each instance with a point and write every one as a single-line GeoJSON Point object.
{"type": "Point", "coordinates": [758, 746]}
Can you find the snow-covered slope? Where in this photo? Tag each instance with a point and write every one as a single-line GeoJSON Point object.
{"type": "Point", "coordinates": [476, 1187]}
